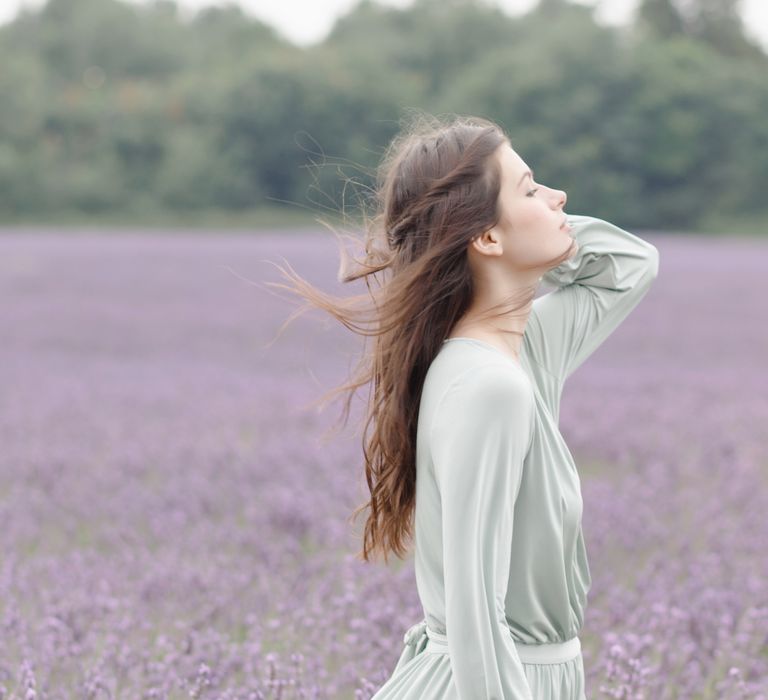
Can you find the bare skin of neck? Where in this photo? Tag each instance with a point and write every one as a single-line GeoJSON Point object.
{"type": "Point", "coordinates": [503, 332]}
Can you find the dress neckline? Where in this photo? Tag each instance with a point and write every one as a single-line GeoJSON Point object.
{"type": "Point", "coordinates": [485, 344]}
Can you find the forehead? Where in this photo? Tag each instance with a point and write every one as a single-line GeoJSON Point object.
{"type": "Point", "coordinates": [513, 166]}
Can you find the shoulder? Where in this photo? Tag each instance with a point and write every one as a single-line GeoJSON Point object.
{"type": "Point", "coordinates": [487, 410]}
{"type": "Point", "coordinates": [498, 387]}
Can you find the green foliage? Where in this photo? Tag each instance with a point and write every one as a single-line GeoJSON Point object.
{"type": "Point", "coordinates": [716, 23]}
{"type": "Point", "coordinates": [118, 109]}
{"type": "Point", "coordinates": [661, 17]}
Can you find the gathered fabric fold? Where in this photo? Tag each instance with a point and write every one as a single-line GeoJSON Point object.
{"type": "Point", "coordinates": [415, 642]}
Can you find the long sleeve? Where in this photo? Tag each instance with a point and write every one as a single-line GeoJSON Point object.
{"type": "Point", "coordinates": [480, 434]}
{"type": "Point", "coordinates": [597, 288]}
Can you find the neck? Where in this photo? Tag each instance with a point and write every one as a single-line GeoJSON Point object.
{"type": "Point", "coordinates": [505, 324]}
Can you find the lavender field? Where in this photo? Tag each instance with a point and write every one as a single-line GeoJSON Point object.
{"type": "Point", "coordinates": [174, 516]}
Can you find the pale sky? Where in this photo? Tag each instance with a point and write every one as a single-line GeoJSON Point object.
{"type": "Point", "coordinates": [309, 21]}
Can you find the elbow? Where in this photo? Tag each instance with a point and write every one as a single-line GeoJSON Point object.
{"type": "Point", "coordinates": [653, 261]}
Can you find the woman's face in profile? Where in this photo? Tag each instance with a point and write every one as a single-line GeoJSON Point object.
{"type": "Point", "coordinates": [532, 217]}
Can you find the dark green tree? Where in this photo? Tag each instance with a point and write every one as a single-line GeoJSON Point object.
{"type": "Point", "coordinates": [661, 18]}
{"type": "Point", "coordinates": [719, 24]}
{"type": "Point", "coordinates": [716, 23]}
{"type": "Point", "coordinates": [122, 108]}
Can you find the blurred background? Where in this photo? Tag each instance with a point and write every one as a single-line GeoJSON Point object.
{"type": "Point", "coordinates": [173, 510]}
{"type": "Point", "coordinates": [243, 114]}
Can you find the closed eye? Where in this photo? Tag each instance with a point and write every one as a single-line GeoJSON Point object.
{"type": "Point", "coordinates": [533, 191]}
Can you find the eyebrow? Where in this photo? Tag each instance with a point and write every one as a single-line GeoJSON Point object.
{"type": "Point", "coordinates": [530, 172]}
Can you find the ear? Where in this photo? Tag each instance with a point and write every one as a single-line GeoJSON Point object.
{"type": "Point", "coordinates": [488, 242]}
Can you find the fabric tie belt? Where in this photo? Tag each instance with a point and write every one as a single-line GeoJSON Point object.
{"type": "Point", "coordinates": [421, 638]}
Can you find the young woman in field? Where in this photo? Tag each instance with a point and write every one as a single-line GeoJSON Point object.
{"type": "Point", "coordinates": [467, 372]}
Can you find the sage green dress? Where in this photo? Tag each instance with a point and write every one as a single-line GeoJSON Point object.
{"type": "Point", "coordinates": [499, 553]}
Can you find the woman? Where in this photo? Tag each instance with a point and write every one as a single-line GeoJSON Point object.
{"type": "Point", "coordinates": [466, 402]}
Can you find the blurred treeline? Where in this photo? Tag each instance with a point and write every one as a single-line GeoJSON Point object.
{"type": "Point", "coordinates": [115, 110]}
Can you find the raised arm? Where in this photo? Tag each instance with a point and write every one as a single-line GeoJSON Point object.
{"type": "Point", "coordinates": [597, 288]}
{"type": "Point", "coordinates": [479, 437]}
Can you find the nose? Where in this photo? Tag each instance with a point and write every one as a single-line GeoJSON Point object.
{"type": "Point", "coordinates": [561, 198]}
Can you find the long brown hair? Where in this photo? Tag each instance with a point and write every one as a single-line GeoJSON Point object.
{"type": "Point", "coordinates": [437, 188]}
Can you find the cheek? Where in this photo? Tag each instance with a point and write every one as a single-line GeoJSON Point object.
{"type": "Point", "coordinates": [530, 214]}
{"type": "Point", "coordinates": [533, 239]}
{"type": "Point", "coordinates": [525, 245]}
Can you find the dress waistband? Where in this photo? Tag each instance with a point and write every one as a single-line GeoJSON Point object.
{"type": "Point", "coordinates": [423, 638]}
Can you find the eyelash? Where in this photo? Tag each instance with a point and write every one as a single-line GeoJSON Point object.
{"type": "Point", "coordinates": [536, 189]}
